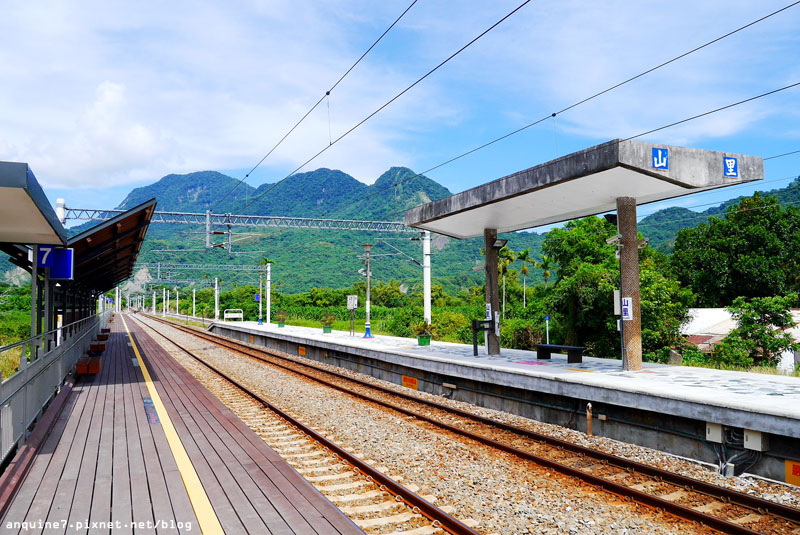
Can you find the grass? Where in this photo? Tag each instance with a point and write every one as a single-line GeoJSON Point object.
{"type": "Point", "coordinates": [9, 360]}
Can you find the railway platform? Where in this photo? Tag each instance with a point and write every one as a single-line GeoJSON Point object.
{"type": "Point", "coordinates": [678, 409]}
{"type": "Point", "coordinates": [142, 447]}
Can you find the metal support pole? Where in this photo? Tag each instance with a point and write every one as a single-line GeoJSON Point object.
{"type": "Point", "coordinates": [629, 273]}
{"type": "Point", "coordinates": [177, 301]}
{"type": "Point", "coordinates": [216, 298]}
{"type": "Point", "coordinates": [208, 229]}
{"type": "Point", "coordinates": [492, 289]}
{"type": "Point", "coordinates": [367, 332]}
{"type": "Point", "coordinates": [154, 302]}
{"type": "Point", "coordinates": [163, 302]}
{"type": "Point", "coordinates": [34, 295]}
{"type": "Point", "coordinates": [116, 299]}
{"type": "Point", "coordinates": [260, 298]}
{"type": "Point", "coordinates": [269, 293]}
{"type": "Point", "coordinates": [426, 276]}
{"type": "Point", "coordinates": [194, 308]}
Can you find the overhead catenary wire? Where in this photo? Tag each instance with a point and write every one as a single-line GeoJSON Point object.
{"type": "Point", "coordinates": [390, 101]}
{"type": "Point", "coordinates": [695, 117]}
{"type": "Point", "coordinates": [583, 101]}
{"type": "Point", "coordinates": [327, 94]}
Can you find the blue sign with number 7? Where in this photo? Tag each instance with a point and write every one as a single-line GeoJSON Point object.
{"type": "Point", "coordinates": [60, 261]}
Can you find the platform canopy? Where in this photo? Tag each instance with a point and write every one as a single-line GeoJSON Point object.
{"type": "Point", "coordinates": [106, 254]}
{"type": "Point", "coordinates": [25, 213]}
{"type": "Point", "coordinates": [584, 183]}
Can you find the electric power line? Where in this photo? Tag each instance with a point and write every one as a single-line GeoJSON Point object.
{"type": "Point", "coordinates": [386, 104]}
{"type": "Point", "coordinates": [580, 102]}
{"type": "Point", "coordinates": [327, 94]}
{"type": "Point", "coordinates": [687, 119]}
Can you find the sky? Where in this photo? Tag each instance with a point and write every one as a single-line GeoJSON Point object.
{"type": "Point", "coordinates": [101, 97]}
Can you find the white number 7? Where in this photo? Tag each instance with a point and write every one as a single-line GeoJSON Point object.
{"type": "Point", "coordinates": [47, 251]}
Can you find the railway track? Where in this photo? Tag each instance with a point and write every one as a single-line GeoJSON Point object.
{"type": "Point", "coordinates": [374, 501]}
{"type": "Point", "coordinates": [722, 509]}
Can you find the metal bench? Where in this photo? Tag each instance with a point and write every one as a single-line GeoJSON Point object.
{"type": "Point", "coordinates": [574, 353]}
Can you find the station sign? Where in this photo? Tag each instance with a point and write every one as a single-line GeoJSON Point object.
{"type": "Point", "coordinates": [627, 308]}
{"type": "Point", "coordinates": [661, 159]}
{"type": "Point", "coordinates": [352, 302]}
{"type": "Point", "coordinates": [61, 262]}
{"type": "Point", "coordinates": [730, 167]}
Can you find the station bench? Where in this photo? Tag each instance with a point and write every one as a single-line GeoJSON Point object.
{"type": "Point", "coordinates": [88, 366]}
{"type": "Point", "coordinates": [574, 353]}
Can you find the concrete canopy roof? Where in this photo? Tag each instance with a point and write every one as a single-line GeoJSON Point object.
{"type": "Point", "coordinates": [581, 184]}
{"type": "Point", "coordinates": [25, 213]}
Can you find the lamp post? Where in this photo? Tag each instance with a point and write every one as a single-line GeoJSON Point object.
{"type": "Point", "coordinates": [367, 333]}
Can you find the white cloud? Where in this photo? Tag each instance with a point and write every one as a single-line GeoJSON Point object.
{"type": "Point", "coordinates": [101, 94]}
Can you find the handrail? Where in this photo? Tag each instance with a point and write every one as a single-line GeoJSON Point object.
{"type": "Point", "coordinates": [40, 335]}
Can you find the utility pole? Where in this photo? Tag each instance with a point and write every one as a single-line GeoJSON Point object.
{"type": "Point", "coordinates": [260, 298]}
{"type": "Point", "coordinates": [177, 301]}
{"type": "Point", "coordinates": [367, 333]}
{"type": "Point", "coordinates": [208, 229]}
{"type": "Point", "coordinates": [163, 302]}
{"type": "Point", "coordinates": [154, 302]}
{"type": "Point", "coordinates": [269, 293]}
{"type": "Point", "coordinates": [194, 313]}
{"type": "Point", "coordinates": [426, 275]}
{"type": "Point", "coordinates": [216, 298]}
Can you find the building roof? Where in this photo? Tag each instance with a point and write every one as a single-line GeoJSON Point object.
{"type": "Point", "coordinates": [26, 216]}
{"type": "Point", "coordinates": [584, 183]}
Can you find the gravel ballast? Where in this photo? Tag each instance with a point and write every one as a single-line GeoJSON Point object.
{"type": "Point", "coordinates": [502, 493]}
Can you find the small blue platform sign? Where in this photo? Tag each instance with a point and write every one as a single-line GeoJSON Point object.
{"type": "Point", "coordinates": [60, 261]}
{"type": "Point", "coordinates": [258, 297]}
{"type": "Point", "coordinates": [661, 159]}
{"type": "Point", "coordinates": [150, 410]}
{"type": "Point", "coordinates": [730, 167]}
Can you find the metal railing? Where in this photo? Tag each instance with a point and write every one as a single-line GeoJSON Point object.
{"type": "Point", "coordinates": [44, 362]}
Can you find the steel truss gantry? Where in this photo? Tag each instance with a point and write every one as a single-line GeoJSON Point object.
{"type": "Point", "coordinates": [209, 219]}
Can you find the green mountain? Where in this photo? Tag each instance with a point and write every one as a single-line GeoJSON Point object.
{"type": "Point", "coordinates": [306, 259]}
{"type": "Point", "coordinates": [194, 192]}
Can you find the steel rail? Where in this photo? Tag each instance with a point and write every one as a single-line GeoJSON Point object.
{"type": "Point", "coordinates": [719, 493]}
{"type": "Point", "coordinates": [417, 504]}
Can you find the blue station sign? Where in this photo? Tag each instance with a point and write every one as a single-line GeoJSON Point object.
{"type": "Point", "coordinates": [61, 262]}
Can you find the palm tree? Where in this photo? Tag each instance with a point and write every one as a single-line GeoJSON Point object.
{"type": "Point", "coordinates": [505, 257]}
{"type": "Point", "coordinates": [545, 266]}
{"type": "Point", "coordinates": [525, 258]}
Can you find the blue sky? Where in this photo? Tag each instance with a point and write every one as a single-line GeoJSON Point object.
{"type": "Point", "coordinates": [101, 97]}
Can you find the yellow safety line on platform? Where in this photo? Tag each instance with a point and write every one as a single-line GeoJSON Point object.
{"type": "Point", "coordinates": [206, 517]}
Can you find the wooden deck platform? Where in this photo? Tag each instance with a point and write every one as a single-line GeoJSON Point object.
{"type": "Point", "coordinates": [111, 465]}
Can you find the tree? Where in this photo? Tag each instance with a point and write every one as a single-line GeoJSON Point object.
{"type": "Point", "coordinates": [759, 337]}
{"type": "Point", "coordinates": [525, 258]}
{"type": "Point", "coordinates": [545, 266]}
{"type": "Point", "coordinates": [750, 252]}
{"type": "Point", "coordinates": [505, 257]}
{"type": "Point", "coordinates": [581, 299]}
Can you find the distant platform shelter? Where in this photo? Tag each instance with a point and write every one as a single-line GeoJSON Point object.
{"type": "Point", "coordinates": [619, 174]}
